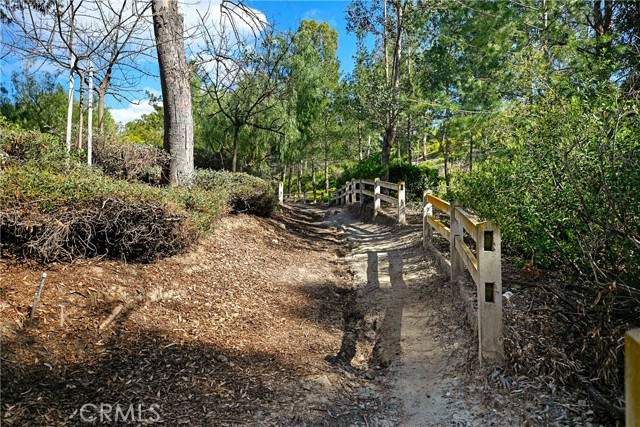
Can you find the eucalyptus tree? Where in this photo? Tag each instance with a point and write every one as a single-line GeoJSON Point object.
{"type": "Point", "coordinates": [314, 73]}
{"type": "Point", "coordinates": [168, 26]}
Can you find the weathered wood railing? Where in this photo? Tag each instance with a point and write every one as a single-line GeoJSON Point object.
{"type": "Point", "coordinates": [484, 265]}
{"type": "Point", "coordinates": [355, 191]}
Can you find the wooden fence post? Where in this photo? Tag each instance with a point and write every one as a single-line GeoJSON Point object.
{"type": "Point", "coordinates": [402, 204]}
{"type": "Point", "coordinates": [489, 290]}
{"type": "Point", "coordinates": [353, 191]}
{"type": "Point", "coordinates": [281, 192]}
{"type": "Point", "coordinates": [427, 210]}
{"type": "Point", "coordinates": [360, 187]}
{"type": "Point", "coordinates": [376, 197]}
{"type": "Point", "coordinates": [457, 265]}
{"type": "Point", "coordinates": [632, 377]}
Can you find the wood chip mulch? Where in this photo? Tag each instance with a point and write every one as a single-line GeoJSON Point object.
{"type": "Point", "coordinates": [230, 333]}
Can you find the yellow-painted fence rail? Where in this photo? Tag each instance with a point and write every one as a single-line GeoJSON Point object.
{"type": "Point", "coordinates": [483, 264]}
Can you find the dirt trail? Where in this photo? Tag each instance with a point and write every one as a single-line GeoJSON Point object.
{"type": "Point", "coordinates": [419, 332]}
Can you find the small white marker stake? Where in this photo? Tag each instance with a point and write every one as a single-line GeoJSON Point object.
{"type": "Point", "coordinates": [37, 298]}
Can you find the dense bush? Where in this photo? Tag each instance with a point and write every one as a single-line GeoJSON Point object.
{"type": "Point", "coordinates": [130, 161]}
{"type": "Point", "coordinates": [242, 192]}
{"type": "Point", "coordinates": [416, 178]}
{"type": "Point", "coordinates": [30, 146]}
{"type": "Point", "coordinates": [54, 208]}
{"type": "Point", "coordinates": [566, 191]}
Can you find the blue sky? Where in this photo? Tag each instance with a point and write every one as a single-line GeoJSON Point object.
{"type": "Point", "coordinates": [288, 14]}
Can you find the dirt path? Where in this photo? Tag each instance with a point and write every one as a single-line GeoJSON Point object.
{"type": "Point", "coordinates": [419, 333]}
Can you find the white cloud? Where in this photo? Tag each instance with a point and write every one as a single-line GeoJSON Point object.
{"type": "Point", "coordinates": [310, 14]}
{"type": "Point", "coordinates": [133, 112]}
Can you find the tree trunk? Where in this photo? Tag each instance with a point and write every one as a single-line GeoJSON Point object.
{"type": "Point", "coordinates": [409, 153]}
{"type": "Point", "coordinates": [102, 93]}
{"type": "Point", "coordinates": [385, 42]}
{"type": "Point", "coordinates": [391, 128]}
{"type": "Point", "coordinates": [289, 179]}
{"type": "Point", "coordinates": [176, 90]}
{"type": "Point", "coordinates": [445, 141]}
{"type": "Point", "coordinates": [326, 168]}
{"type": "Point", "coordinates": [471, 154]}
{"type": "Point", "coordinates": [313, 178]}
{"type": "Point", "coordinates": [359, 140]}
{"type": "Point", "coordinates": [424, 147]}
{"type": "Point", "coordinates": [234, 156]}
{"type": "Point", "coordinates": [81, 113]}
{"type": "Point", "coordinates": [300, 181]}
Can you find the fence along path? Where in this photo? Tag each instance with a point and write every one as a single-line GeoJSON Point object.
{"type": "Point", "coordinates": [484, 265]}
{"type": "Point", "coordinates": [356, 190]}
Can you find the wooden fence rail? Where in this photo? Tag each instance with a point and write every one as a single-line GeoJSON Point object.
{"type": "Point", "coordinates": [483, 264]}
{"type": "Point", "coordinates": [356, 190]}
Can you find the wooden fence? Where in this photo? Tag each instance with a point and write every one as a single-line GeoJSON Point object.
{"type": "Point", "coordinates": [356, 190]}
{"type": "Point", "coordinates": [483, 264]}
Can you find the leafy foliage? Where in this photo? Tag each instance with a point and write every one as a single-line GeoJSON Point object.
{"type": "Point", "coordinates": [242, 192]}
{"type": "Point", "coordinates": [416, 178]}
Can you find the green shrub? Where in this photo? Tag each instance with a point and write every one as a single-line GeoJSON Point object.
{"type": "Point", "coordinates": [416, 178]}
{"type": "Point", "coordinates": [30, 145]}
{"type": "Point", "coordinates": [242, 192]}
{"type": "Point", "coordinates": [565, 189]}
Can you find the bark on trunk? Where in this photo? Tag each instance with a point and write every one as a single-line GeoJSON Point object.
{"type": "Point", "coordinates": [102, 93]}
{"type": "Point", "coordinates": [391, 128]}
{"type": "Point", "coordinates": [424, 147]}
{"type": "Point", "coordinates": [289, 180]}
{"type": "Point", "coordinates": [359, 141]}
{"type": "Point", "coordinates": [445, 141]}
{"type": "Point", "coordinates": [300, 182]}
{"type": "Point", "coordinates": [326, 168]}
{"type": "Point", "coordinates": [409, 153]}
{"type": "Point", "coordinates": [471, 154]}
{"type": "Point", "coordinates": [234, 156]}
{"type": "Point", "coordinates": [313, 178]}
{"type": "Point", "coordinates": [176, 90]}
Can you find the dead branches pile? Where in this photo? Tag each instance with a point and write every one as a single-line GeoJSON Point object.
{"type": "Point", "coordinates": [132, 162]}
{"type": "Point", "coordinates": [112, 227]}
{"type": "Point", "coordinates": [562, 335]}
